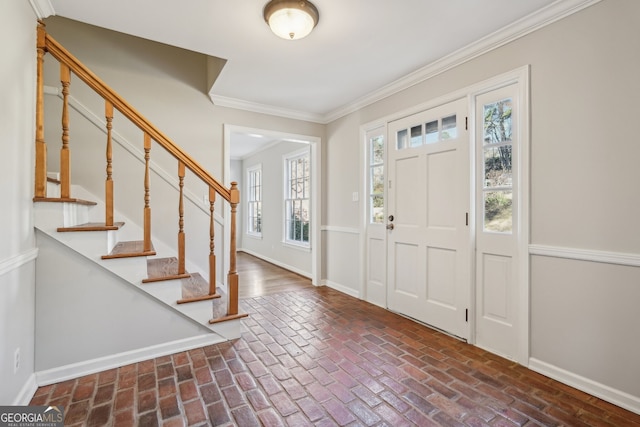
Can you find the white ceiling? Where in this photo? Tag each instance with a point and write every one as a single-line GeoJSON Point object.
{"type": "Point", "coordinates": [359, 48]}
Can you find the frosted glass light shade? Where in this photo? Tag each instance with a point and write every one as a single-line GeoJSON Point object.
{"type": "Point", "coordinates": [289, 19]}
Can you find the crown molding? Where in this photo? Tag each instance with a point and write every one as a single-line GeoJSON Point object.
{"type": "Point", "coordinates": [224, 101]}
{"type": "Point", "coordinates": [548, 15]}
{"type": "Point", "coordinates": [520, 28]}
{"type": "Point", "coordinates": [42, 8]}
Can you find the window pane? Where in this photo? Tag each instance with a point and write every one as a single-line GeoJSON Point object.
{"type": "Point", "coordinates": [431, 132]}
{"type": "Point", "coordinates": [307, 186]}
{"type": "Point", "coordinates": [497, 166]}
{"type": "Point", "coordinates": [258, 228]}
{"type": "Point", "coordinates": [402, 139]}
{"type": "Point", "coordinates": [377, 180]}
{"type": "Point", "coordinates": [304, 210]}
{"type": "Point", "coordinates": [377, 150]}
{"type": "Point", "coordinates": [298, 182]}
{"type": "Point", "coordinates": [497, 122]}
{"type": "Point", "coordinates": [377, 209]}
{"type": "Point", "coordinates": [449, 128]}
{"type": "Point", "coordinates": [498, 211]}
{"type": "Point", "coordinates": [416, 136]}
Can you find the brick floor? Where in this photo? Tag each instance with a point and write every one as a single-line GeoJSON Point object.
{"type": "Point", "coordinates": [319, 357]}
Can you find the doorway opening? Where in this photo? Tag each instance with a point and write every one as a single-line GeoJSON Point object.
{"type": "Point", "coordinates": [257, 160]}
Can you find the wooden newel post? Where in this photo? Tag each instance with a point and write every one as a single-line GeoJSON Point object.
{"type": "Point", "coordinates": [232, 278]}
{"type": "Point", "coordinates": [212, 252]}
{"type": "Point", "coordinates": [40, 187]}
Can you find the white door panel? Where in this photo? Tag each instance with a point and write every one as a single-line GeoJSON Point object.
{"type": "Point", "coordinates": [428, 197]}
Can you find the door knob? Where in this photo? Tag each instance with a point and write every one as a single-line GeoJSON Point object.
{"type": "Point", "coordinates": [389, 226]}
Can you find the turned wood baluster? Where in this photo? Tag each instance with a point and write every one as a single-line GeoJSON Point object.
{"type": "Point", "coordinates": [65, 167]}
{"type": "Point", "coordinates": [108, 185]}
{"type": "Point", "coordinates": [147, 208]}
{"type": "Point", "coordinates": [41, 148]}
{"type": "Point", "coordinates": [212, 255]}
{"type": "Point", "coordinates": [232, 278]}
{"type": "Point", "coordinates": [181, 246]}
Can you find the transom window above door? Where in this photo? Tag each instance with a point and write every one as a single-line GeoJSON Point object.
{"type": "Point", "coordinates": [433, 131]}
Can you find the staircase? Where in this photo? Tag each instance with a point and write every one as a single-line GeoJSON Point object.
{"type": "Point", "coordinates": [85, 222]}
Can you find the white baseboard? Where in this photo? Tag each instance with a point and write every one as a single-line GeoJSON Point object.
{"type": "Point", "coordinates": [26, 394]}
{"type": "Point", "coordinates": [344, 289]}
{"type": "Point", "coordinates": [604, 392]}
{"type": "Point", "coordinates": [75, 370]}
{"type": "Point", "coordinates": [278, 263]}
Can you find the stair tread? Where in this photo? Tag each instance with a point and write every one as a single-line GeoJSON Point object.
{"type": "Point", "coordinates": [129, 249]}
{"type": "Point", "coordinates": [194, 286]}
{"type": "Point", "coordinates": [163, 269]}
{"type": "Point", "coordinates": [64, 200]}
{"type": "Point", "coordinates": [92, 226]}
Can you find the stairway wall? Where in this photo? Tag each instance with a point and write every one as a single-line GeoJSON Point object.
{"type": "Point", "coordinates": [17, 244]}
{"type": "Point", "coordinates": [168, 86]}
{"type": "Point", "coordinates": [86, 317]}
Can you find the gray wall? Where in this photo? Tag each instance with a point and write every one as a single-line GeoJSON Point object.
{"type": "Point", "coordinates": [584, 178]}
{"type": "Point", "coordinates": [17, 245]}
{"type": "Point", "coordinates": [270, 246]}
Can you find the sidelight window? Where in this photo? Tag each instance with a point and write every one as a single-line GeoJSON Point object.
{"type": "Point", "coordinates": [376, 179]}
{"type": "Point", "coordinates": [497, 169]}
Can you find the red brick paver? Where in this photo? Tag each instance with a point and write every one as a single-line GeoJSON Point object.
{"type": "Point", "coordinates": [321, 358]}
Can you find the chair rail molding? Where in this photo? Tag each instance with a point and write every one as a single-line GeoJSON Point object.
{"type": "Point", "coordinates": [607, 257]}
{"type": "Point", "coordinates": [17, 261]}
{"type": "Point", "coordinates": [336, 229]}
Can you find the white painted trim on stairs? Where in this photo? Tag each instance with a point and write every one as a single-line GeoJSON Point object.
{"type": "Point", "coordinates": [344, 289]}
{"type": "Point", "coordinates": [618, 258]}
{"type": "Point", "coordinates": [99, 123]}
{"type": "Point", "coordinates": [89, 367]}
{"type": "Point", "coordinates": [278, 263]}
{"type": "Point", "coordinates": [27, 392]}
{"type": "Point", "coordinates": [42, 8]}
{"type": "Point", "coordinates": [617, 397]}
{"type": "Point", "coordinates": [18, 261]}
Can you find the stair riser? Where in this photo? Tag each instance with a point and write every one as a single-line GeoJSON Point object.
{"type": "Point", "coordinates": [50, 216]}
{"type": "Point", "coordinates": [53, 190]}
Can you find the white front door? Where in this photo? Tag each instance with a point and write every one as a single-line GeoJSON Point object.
{"type": "Point", "coordinates": [428, 198]}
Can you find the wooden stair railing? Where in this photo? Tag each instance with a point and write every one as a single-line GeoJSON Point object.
{"type": "Point", "coordinates": [71, 65]}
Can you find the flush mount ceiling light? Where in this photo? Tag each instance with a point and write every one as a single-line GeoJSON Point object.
{"type": "Point", "coordinates": [291, 19]}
